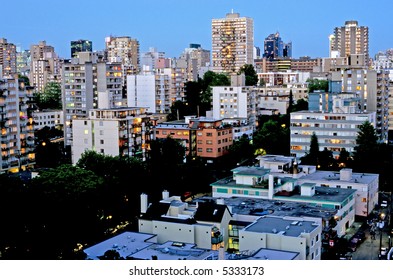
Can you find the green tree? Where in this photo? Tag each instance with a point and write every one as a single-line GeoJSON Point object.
{"type": "Point", "coordinates": [317, 84]}
{"type": "Point", "coordinates": [344, 158]}
{"type": "Point", "coordinates": [242, 149]}
{"type": "Point", "coordinates": [312, 156]}
{"type": "Point", "coordinates": [300, 105]}
{"type": "Point", "coordinates": [366, 144]}
{"type": "Point", "coordinates": [50, 98]}
{"type": "Point", "coordinates": [273, 137]}
{"type": "Point", "coordinates": [167, 158]}
{"type": "Point", "coordinates": [212, 79]}
{"type": "Point", "coordinates": [250, 74]}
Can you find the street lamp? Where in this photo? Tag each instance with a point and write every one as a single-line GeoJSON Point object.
{"type": "Point", "coordinates": [380, 225]}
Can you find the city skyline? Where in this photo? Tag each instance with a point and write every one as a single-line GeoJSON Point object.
{"type": "Point", "coordinates": [170, 26]}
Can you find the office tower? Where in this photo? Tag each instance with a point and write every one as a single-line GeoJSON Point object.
{"type": "Point", "coordinates": [287, 50]}
{"type": "Point", "coordinates": [45, 66]}
{"type": "Point", "coordinates": [351, 39]}
{"type": "Point", "coordinates": [81, 46]}
{"type": "Point", "coordinates": [273, 46]}
{"type": "Point", "coordinates": [232, 43]}
{"type": "Point", "coordinates": [7, 58]}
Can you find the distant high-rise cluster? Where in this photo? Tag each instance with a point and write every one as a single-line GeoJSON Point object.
{"type": "Point", "coordinates": [274, 47]}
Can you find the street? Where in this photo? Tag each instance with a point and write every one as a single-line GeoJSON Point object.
{"type": "Point", "coordinates": [369, 249]}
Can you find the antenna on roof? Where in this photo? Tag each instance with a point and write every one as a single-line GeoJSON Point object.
{"type": "Point", "coordinates": [232, 11]}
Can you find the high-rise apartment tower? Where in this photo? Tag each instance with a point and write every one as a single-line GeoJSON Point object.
{"type": "Point", "coordinates": [232, 43]}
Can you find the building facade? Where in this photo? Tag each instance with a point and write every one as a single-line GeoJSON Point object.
{"type": "Point", "coordinates": [7, 58]}
{"type": "Point", "coordinates": [232, 43]}
{"type": "Point", "coordinates": [202, 137]}
{"type": "Point", "coordinates": [235, 101]}
{"type": "Point", "coordinates": [351, 39]}
{"type": "Point", "coordinates": [114, 132]}
{"type": "Point", "coordinates": [48, 118]}
{"type": "Point", "coordinates": [45, 66]}
{"type": "Point", "coordinates": [16, 126]}
{"type": "Point", "coordinates": [334, 131]}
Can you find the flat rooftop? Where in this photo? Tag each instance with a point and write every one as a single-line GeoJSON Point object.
{"type": "Point", "coordinates": [323, 194]}
{"type": "Point", "coordinates": [358, 178]}
{"type": "Point", "coordinates": [172, 250]}
{"type": "Point", "coordinates": [281, 225]}
{"type": "Point", "coordinates": [262, 207]}
{"type": "Point", "coordinates": [125, 244]}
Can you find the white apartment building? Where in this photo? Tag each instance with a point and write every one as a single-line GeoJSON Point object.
{"type": "Point", "coordinates": [156, 91]}
{"type": "Point", "coordinates": [232, 43]}
{"type": "Point", "coordinates": [272, 101]}
{"type": "Point", "coordinates": [333, 130]}
{"type": "Point", "coordinates": [49, 118]}
{"type": "Point", "coordinates": [365, 184]}
{"type": "Point", "coordinates": [210, 225]}
{"type": "Point", "coordinates": [280, 78]}
{"type": "Point", "coordinates": [258, 182]}
{"type": "Point", "coordinates": [235, 101]}
{"type": "Point", "coordinates": [284, 233]}
{"type": "Point", "coordinates": [240, 127]}
{"type": "Point", "coordinates": [114, 132]}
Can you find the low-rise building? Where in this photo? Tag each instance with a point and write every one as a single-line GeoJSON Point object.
{"type": "Point", "coordinates": [203, 137]}
{"type": "Point", "coordinates": [49, 118]}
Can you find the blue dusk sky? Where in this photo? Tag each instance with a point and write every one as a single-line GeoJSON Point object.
{"type": "Point", "coordinates": [171, 25]}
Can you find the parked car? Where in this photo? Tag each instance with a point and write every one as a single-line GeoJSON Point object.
{"type": "Point", "coordinates": [360, 236]}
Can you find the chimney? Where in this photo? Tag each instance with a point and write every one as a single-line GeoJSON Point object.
{"type": "Point", "coordinates": [220, 201]}
{"type": "Point", "coordinates": [143, 203]}
{"type": "Point", "coordinates": [165, 195]}
{"type": "Point", "coordinates": [271, 187]}
{"type": "Point", "coordinates": [345, 174]}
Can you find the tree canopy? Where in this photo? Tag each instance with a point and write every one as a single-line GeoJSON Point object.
{"type": "Point", "coordinates": [317, 84]}
{"type": "Point", "coordinates": [50, 98]}
{"type": "Point", "coordinates": [250, 74]}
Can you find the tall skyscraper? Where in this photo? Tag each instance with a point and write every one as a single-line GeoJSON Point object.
{"type": "Point", "coordinates": [275, 48]}
{"type": "Point", "coordinates": [351, 39]}
{"type": "Point", "coordinates": [81, 46]}
{"type": "Point", "coordinates": [232, 43]}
